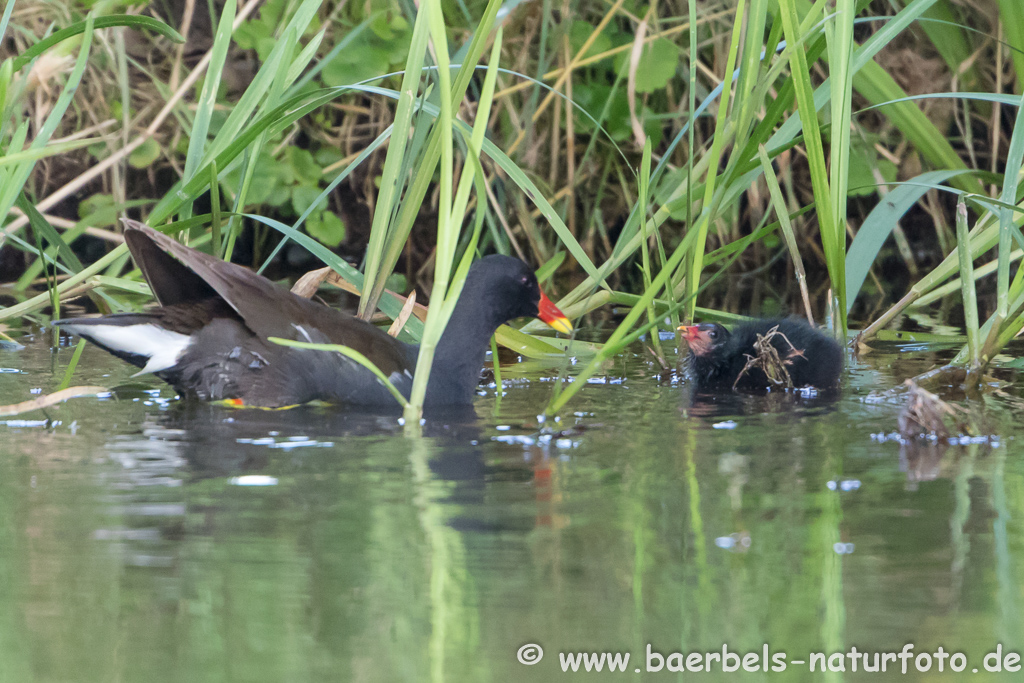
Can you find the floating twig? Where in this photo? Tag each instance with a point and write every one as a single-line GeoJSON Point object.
{"type": "Point", "coordinates": [768, 360]}
{"type": "Point", "coordinates": [49, 400]}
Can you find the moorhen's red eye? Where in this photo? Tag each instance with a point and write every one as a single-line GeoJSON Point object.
{"type": "Point", "coordinates": [713, 334]}
{"type": "Point", "coordinates": [524, 279]}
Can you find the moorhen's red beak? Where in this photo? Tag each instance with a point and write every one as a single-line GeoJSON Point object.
{"type": "Point", "coordinates": [549, 313]}
{"type": "Point", "coordinates": [690, 332]}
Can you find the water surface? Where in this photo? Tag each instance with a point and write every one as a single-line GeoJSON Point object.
{"type": "Point", "coordinates": [146, 539]}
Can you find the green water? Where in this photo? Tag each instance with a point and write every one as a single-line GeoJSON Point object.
{"type": "Point", "coordinates": [142, 539]}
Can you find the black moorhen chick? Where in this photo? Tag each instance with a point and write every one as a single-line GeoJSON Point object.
{"type": "Point", "coordinates": [208, 337]}
{"type": "Point", "coordinates": [718, 357]}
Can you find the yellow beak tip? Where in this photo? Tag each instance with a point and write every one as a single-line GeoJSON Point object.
{"type": "Point", "coordinates": [561, 325]}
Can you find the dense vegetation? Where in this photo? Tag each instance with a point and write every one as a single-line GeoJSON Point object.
{"type": "Point", "coordinates": [822, 178]}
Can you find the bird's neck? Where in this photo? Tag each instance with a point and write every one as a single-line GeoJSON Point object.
{"type": "Point", "coordinates": [706, 368]}
{"type": "Point", "coordinates": [460, 352]}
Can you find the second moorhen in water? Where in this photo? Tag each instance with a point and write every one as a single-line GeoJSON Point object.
{"type": "Point", "coordinates": [208, 337]}
{"type": "Point", "coordinates": [719, 358]}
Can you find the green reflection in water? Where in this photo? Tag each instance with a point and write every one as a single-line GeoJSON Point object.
{"type": "Point", "coordinates": [130, 552]}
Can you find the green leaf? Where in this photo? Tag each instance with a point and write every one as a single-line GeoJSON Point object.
{"type": "Point", "coordinates": [325, 156]}
{"type": "Point", "coordinates": [578, 34]}
{"type": "Point", "coordinates": [593, 97]}
{"type": "Point", "coordinates": [250, 33]}
{"type": "Point", "coordinates": [278, 196]}
{"type": "Point", "coordinates": [526, 345]}
{"type": "Point", "coordinates": [399, 24]}
{"type": "Point", "coordinates": [145, 154]}
{"type": "Point", "coordinates": [303, 197]}
{"type": "Point", "coordinates": [365, 57]}
{"type": "Point", "coordinates": [385, 27]}
{"type": "Point", "coordinates": [863, 160]}
{"type": "Point", "coordinates": [658, 62]}
{"type": "Point", "coordinates": [95, 203]}
{"type": "Point", "coordinates": [302, 162]}
{"type": "Point", "coordinates": [269, 186]}
{"type": "Point", "coordinates": [326, 227]}
{"type": "Point", "coordinates": [549, 268]}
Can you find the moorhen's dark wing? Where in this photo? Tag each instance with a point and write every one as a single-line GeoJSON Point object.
{"type": "Point", "coordinates": [265, 308]}
{"type": "Point", "coordinates": [171, 281]}
{"type": "Point", "coordinates": [209, 338]}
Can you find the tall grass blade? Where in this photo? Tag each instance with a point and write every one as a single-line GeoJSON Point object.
{"type": "Point", "coordinates": [43, 228]}
{"type": "Point", "coordinates": [1011, 182]}
{"type": "Point", "coordinates": [748, 98]}
{"type": "Point", "coordinates": [72, 366]}
{"type": "Point", "coordinates": [6, 18]}
{"type": "Point", "coordinates": [391, 183]}
{"type": "Point", "coordinates": [839, 39]}
{"type": "Point", "coordinates": [447, 229]}
{"type": "Point", "coordinates": [16, 177]}
{"type": "Point", "coordinates": [133, 21]}
{"type": "Point", "coordinates": [645, 175]}
{"type": "Point", "coordinates": [835, 249]}
{"type": "Point", "coordinates": [215, 223]}
{"type": "Point", "coordinates": [718, 141]}
{"type": "Point", "coordinates": [879, 224]}
{"type": "Point", "coordinates": [451, 214]}
{"type": "Point", "coordinates": [779, 204]}
{"type": "Point", "coordinates": [1007, 231]}
{"type": "Point", "coordinates": [967, 285]}
{"type": "Point", "coordinates": [427, 165]}
{"type": "Point", "coordinates": [208, 97]}
{"type": "Point", "coordinates": [1012, 14]}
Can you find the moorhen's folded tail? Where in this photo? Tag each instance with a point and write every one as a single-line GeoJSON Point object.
{"type": "Point", "coordinates": [138, 338]}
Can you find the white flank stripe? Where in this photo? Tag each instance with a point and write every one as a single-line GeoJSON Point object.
{"type": "Point", "coordinates": [162, 347]}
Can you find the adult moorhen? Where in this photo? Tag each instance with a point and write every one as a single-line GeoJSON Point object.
{"type": "Point", "coordinates": [719, 359]}
{"type": "Point", "coordinates": [208, 337]}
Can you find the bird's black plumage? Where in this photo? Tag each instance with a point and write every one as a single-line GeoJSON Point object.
{"type": "Point", "coordinates": [718, 357]}
{"type": "Point", "coordinates": [209, 336]}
